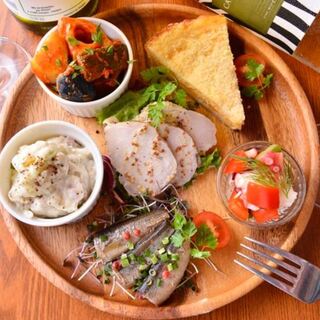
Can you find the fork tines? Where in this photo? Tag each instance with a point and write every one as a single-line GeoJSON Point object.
{"type": "Point", "coordinates": [289, 279]}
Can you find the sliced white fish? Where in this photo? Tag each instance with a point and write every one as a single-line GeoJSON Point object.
{"type": "Point", "coordinates": [144, 161]}
{"type": "Point", "coordinates": [201, 129]}
{"type": "Point", "coordinates": [184, 151]}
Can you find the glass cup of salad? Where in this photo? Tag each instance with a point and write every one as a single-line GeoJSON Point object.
{"type": "Point", "coordinates": [261, 184]}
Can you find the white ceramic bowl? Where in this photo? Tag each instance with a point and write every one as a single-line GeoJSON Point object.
{"type": "Point", "coordinates": [89, 109]}
{"type": "Point", "coordinates": [40, 131]}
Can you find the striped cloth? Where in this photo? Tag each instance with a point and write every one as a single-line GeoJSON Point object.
{"type": "Point", "coordinates": [289, 25]}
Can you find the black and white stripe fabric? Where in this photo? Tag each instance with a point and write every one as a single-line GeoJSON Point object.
{"type": "Point", "coordinates": [289, 25]}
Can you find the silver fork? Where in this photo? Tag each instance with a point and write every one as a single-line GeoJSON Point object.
{"type": "Point", "coordinates": [301, 281]}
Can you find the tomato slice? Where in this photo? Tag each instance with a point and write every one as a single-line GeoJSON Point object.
{"type": "Point", "coordinates": [241, 69]}
{"type": "Point", "coordinates": [237, 207]}
{"type": "Point", "coordinates": [263, 196]}
{"type": "Point", "coordinates": [217, 226]}
{"type": "Point", "coordinates": [236, 165]}
{"type": "Point", "coordinates": [265, 215]}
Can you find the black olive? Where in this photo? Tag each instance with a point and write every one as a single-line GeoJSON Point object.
{"type": "Point", "coordinates": [75, 88]}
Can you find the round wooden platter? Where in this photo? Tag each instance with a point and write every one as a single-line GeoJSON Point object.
{"type": "Point", "coordinates": [284, 116]}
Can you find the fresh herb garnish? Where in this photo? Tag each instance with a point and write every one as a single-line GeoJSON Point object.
{"type": "Point", "coordinates": [205, 238]}
{"type": "Point", "coordinates": [89, 51]}
{"type": "Point", "coordinates": [73, 41]}
{"type": "Point", "coordinates": [211, 160]}
{"type": "Point", "coordinates": [154, 74]}
{"type": "Point", "coordinates": [110, 49]}
{"type": "Point", "coordinates": [180, 97]}
{"type": "Point", "coordinates": [97, 35]}
{"type": "Point", "coordinates": [254, 70]}
{"type": "Point", "coordinates": [185, 229]}
{"type": "Point", "coordinates": [161, 88]}
{"type": "Point", "coordinates": [58, 62]}
{"type": "Point", "coordinates": [286, 178]}
{"type": "Point", "coordinates": [198, 254]}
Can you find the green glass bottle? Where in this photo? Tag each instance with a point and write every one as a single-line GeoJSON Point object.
{"type": "Point", "coordinates": [40, 15]}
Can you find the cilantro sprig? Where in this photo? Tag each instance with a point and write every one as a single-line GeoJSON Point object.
{"type": "Point", "coordinates": [185, 229]}
{"type": "Point", "coordinates": [255, 73]}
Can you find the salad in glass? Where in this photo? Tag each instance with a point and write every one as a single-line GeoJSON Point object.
{"type": "Point", "coordinates": [261, 184]}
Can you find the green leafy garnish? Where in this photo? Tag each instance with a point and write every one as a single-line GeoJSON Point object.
{"type": "Point", "coordinates": [161, 88]}
{"type": "Point", "coordinates": [103, 238]}
{"type": "Point", "coordinates": [89, 51]}
{"type": "Point", "coordinates": [155, 113]}
{"type": "Point", "coordinates": [286, 178]}
{"type": "Point", "coordinates": [185, 229]}
{"type": "Point", "coordinates": [198, 254]}
{"type": "Point", "coordinates": [97, 35]}
{"type": "Point", "coordinates": [254, 70]}
{"type": "Point", "coordinates": [73, 41]}
{"type": "Point", "coordinates": [110, 49]}
{"type": "Point", "coordinates": [180, 97]}
{"type": "Point", "coordinates": [205, 237]}
{"type": "Point", "coordinates": [177, 239]}
{"type": "Point", "coordinates": [58, 62]}
{"type": "Point", "coordinates": [211, 160]}
{"type": "Point", "coordinates": [154, 74]}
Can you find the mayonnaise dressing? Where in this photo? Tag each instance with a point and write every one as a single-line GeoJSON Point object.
{"type": "Point", "coordinates": [52, 178]}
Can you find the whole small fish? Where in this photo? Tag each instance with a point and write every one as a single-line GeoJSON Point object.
{"type": "Point", "coordinates": [156, 293]}
{"type": "Point", "coordinates": [111, 242]}
{"type": "Point", "coordinates": [151, 243]}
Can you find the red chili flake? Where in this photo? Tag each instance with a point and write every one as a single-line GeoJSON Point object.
{"type": "Point", "coordinates": [126, 235]}
{"type": "Point", "coordinates": [137, 232]}
{"type": "Point", "coordinates": [116, 265]}
{"type": "Point", "coordinates": [165, 274]}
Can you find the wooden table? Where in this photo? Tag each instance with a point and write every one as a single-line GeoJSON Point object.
{"type": "Point", "coordinates": [25, 294]}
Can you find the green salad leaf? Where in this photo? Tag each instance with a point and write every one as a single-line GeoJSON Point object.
{"type": "Point", "coordinates": [160, 88]}
{"type": "Point", "coordinates": [211, 160]}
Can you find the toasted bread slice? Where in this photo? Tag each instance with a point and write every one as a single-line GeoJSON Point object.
{"type": "Point", "coordinates": [198, 54]}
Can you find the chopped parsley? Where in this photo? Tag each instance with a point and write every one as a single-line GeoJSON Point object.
{"type": "Point", "coordinates": [205, 237]}
{"type": "Point", "coordinates": [73, 41]}
{"type": "Point", "coordinates": [89, 51]}
{"type": "Point", "coordinates": [97, 35]}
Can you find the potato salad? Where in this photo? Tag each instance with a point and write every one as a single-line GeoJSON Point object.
{"type": "Point", "coordinates": [51, 178]}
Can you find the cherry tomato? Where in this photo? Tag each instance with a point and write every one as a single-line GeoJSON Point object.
{"type": "Point", "coordinates": [264, 215]}
{"type": "Point", "coordinates": [241, 69]}
{"type": "Point", "coordinates": [237, 207]}
{"type": "Point", "coordinates": [236, 165]}
{"type": "Point", "coordinates": [217, 226]}
{"type": "Point", "coordinates": [263, 196]}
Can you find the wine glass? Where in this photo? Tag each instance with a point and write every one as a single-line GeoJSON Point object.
{"type": "Point", "coordinates": [13, 59]}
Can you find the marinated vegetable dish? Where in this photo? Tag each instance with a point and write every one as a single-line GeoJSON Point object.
{"type": "Point", "coordinates": [260, 184]}
{"type": "Point", "coordinates": [51, 178]}
{"type": "Point", "coordinates": [80, 62]}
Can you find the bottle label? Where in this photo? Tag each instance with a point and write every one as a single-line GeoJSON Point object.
{"type": "Point", "coordinates": [51, 10]}
{"type": "Point", "coordinates": [281, 22]}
